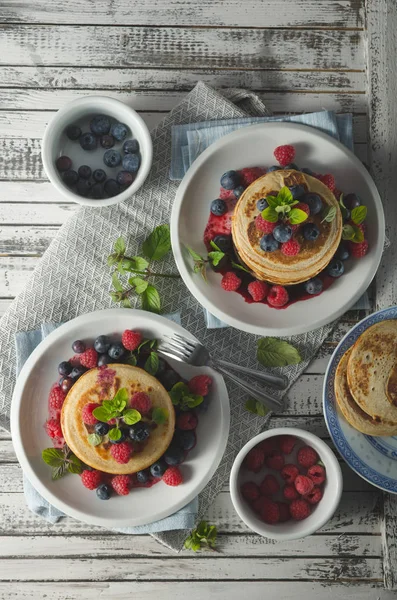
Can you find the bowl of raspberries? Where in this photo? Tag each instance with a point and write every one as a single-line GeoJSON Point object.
{"type": "Point", "coordinates": [285, 483]}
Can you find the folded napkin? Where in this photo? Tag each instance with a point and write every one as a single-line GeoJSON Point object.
{"type": "Point", "coordinates": [185, 518]}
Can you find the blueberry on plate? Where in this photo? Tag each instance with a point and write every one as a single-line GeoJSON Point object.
{"type": "Point", "coordinates": [351, 201]}
{"type": "Point", "coordinates": [230, 180]}
{"type": "Point", "coordinates": [107, 141]}
{"type": "Point", "coordinates": [139, 432]}
{"type": "Point", "coordinates": [100, 125]}
{"type": "Point", "coordinates": [64, 368]}
{"type": "Point", "coordinates": [119, 131]}
{"type": "Point", "coordinates": [99, 176]}
{"type": "Point", "coordinates": [238, 191]}
{"type": "Point", "coordinates": [224, 242]}
{"type": "Point", "coordinates": [292, 166]}
{"type": "Point", "coordinates": [262, 204]}
{"type": "Point", "coordinates": [218, 207]}
{"type": "Point", "coordinates": [131, 162]}
{"type": "Point", "coordinates": [268, 243]}
{"type": "Point", "coordinates": [78, 347]}
{"type": "Point", "coordinates": [314, 286]}
{"type": "Point", "coordinates": [131, 146]}
{"type": "Point", "coordinates": [97, 191]}
{"type": "Point", "coordinates": [174, 455]}
{"type": "Point", "coordinates": [158, 469]}
{"type": "Point", "coordinates": [273, 168]}
{"type": "Point", "coordinates": [310, 231]}
{"type": "Point", "coordinates": [307, 171]}
{"type": "Point", "coordinates": [84, 171]}
{"type": "Point", "coordinates": [104, 359]}
{"type": "Point", "coordinates": [169, 379]}
{"type": "Point", "coordinates": [101, 428]}
{"type": "Point", "coordinates": [185, 439]}
{"type": "Point", "coordinates": [88, 141]}
{"type": "Point", "coordinates": [102, 344]}
{"type": "Point", "coordinates": [346, 214]}
{"type": "Point", "coordinates": [77, 372]}
{"type": "Point", "coordinates": [83, 187]}
{"type": "Point", "coordinates": [143, 476]}
{"type": "Point", "coordinates": [336, 268]}
{"type": "Point", "coordinates": [122, 438]}
{"type": "Point", "coordinates": [342, 252]}
{"type": "Point", "coordinates": [66, 384]}
{"type": "Point", "coordinates": [73, 132]}
{"type": "Point", "coordinates": [282, 233]}
{"type": "Point", "coordinates": [70, 178]}
{"type": "Point", "coordinates": [112, 158]}
{"type": "Point", "coordinates": [297, 191]}
{"type": "Point", "coordinates": [63, 163]}
{"type": "Point", "coordinates": [124, 178]}
{"type": "Point", "coordinates": [104, 491]}
{"type": "Point", "coordinates": [314, 202]}
{"type": "Point", "coordinates": [112, 188]}
{"type": "Point", "coordinates": [116, 351]}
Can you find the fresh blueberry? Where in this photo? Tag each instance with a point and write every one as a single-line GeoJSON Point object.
{"type": "Point", "coordinates": [119, 131]}
{"type": "Point", "coordinates": [139, 432]}
{"type": "Point", "coordinates": [88, 141]}
{"type": "Point", "coordinates": [218, 207]}
{"type": "Point", "coordinates": [297, 191]}
{"type": "Point", "coordinates": [64, 368]}
{"type": "Point", "coordinates": [122, 438]}
{"type": "Point", "coordinates": [124, 178]}
{"type": "Point", "coordinates": [346, 214]}
{"type": "Point", "coordinates": [222, 264]}
{"type": "Point", "coordinates": [97, 191]}
{"type": "Point", "coordinates": [292, 166]}
{"type": "Point", "coordinates": [78, 347]}
{"type": "Point", "coordinates": [107, 141]}
{"type": "Point", "coordinates": [131, 146]}
{"type": "Point", "coordinates": [101, 428]}
{"type": "Point", "coordinates": [174, 455]}
{"type": "Point", "coordinates": [131, 162]}
{"type": "Point", "coordinates": [66, 384]}
{"type": "Point", "coordinates": [314, 202]}
{"type": "Point", "coordinates": [77, 372]}
{"type": "Point", "coordinates": [282, 233]}
{"type": "Point", "coordinates": [185, 439]}
{"type": "Point", "coordinates": [274, 168]}
{"type": "Point", "coordinates": [100, 125]}
{"type": "Point", "coordinates": [238, 191]}
{"type": "Point", "coordinates": [310, 231]}
{"type": "Point", "coordinates": [70, 177]}
{"type": "Point", "coordinates": [342, 252]}
{"type": "Point", "coordinates": [158, 469]}
{"type": "Point", "coordinates": [203, 407]}
{"type": "Point", "coordinates": [169, 379]}
{"type": "Point", "coordinates": [230, 180]}
{"type": "Point", "coordinates": [63, 163]}
{"type": "Point", "coordinates": [336, 268]}
{"type": "Point", "coordinates": [224, 242]}
{"type": "Point", "coordinates": [116, 351]}
{"type": "Point", "coordinates": [112, 188]}
{"type": "Point", "coordinates": [307, 171]}
{"type": "Point", "coordinates": [143, 476]}
{"type": "Point", "coordinates": [85, 172]}
{"type": "Point", "coordinates": [104, 491]}
{"type": "Point", "coordinates": [262, 204]}
{"type": "Point", "coordinates": [112, 158]}
{"type": "Point", "coordinates": [104, 359]}
{"type": "Point", "coordinates": [99, 175]}
{"type": "Point", "coordinates": [268, 243]}
{"type": "Point", "coordinates": [102, 344]}
{"type": "Point", "coordinates": [83, 187]}
{"type": "Point", "coordinates": [351, 201]}
{"type": "Point", "coordinates": [314, 286]}
{"type": "Point", "coordinates": [73, 132]}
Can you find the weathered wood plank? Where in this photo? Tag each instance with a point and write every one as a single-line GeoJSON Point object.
{"type": "Point", "coordinates": [181, 47]}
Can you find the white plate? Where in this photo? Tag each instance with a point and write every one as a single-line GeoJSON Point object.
{"type": "Point", "coordinates": [253, 146]}
{"type": "Point", "coordinates": [29, 413]}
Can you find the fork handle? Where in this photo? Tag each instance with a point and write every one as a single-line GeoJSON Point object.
{"type": "Point", "coordinates": [277, 381]}
{"type": "Point", "coordinates": [253, 390]}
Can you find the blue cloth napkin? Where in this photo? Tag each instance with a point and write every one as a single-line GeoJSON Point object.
{"type": "Point", "coordinates": [185, 518]}
{"type": "Point", "coordinates": [191, 139]}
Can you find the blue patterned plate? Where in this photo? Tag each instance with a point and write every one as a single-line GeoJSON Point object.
{"type": "Point", "coordinates": [373, 458]}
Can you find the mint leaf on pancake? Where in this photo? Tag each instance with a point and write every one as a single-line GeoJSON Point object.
{"type": "Point", "coordinates": [94, 439]}
{"type": "Point", "coordinates": [114, 434]}
{"type": "Point", "coordinates": [272, 352]}
{"type": "Point", "coordinates": [329, 214]}
{"type": "Point", "coordinates": [296, 216]}
{"type": "Point", "coordinates": [158, 243]}
{"type": "Point", "coordinates": [131, 416]}
{"type": "Point", "coordinates": [270, 214]}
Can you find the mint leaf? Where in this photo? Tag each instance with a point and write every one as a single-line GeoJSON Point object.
{"type": "Point", "coordinates": [94, 439]}
{"type": "Point", "coordinates": [112, 260]}
{"type": "Point", "coordinates": [214, 246]}
{"type": "Point", "coordinates": [59, 472]}
{"type": "Point", "coordinates": [329, 214]}
{"type": "Point", "coordinates": [114, 434]}
{"type": "Point", "coordinates": [131, 360]}
{"type": "Point", "coordinates": [75, 465]}
{"type": "Point", "coordinates": [158, 243]}
{"type": "Point", "coordinates": [131, 416]}
{"type": "Point", "coordinates": [272, 201]}
{"type": "Point", "coordinates": [270, 214]}
{"type": "Point", "coordinates": [204, 536]}
{"type": "Point", "coordinates": [139, 284]}
{"type": "Point", "coordinates": [256, 407]}
{"type": "Point", "coordinates": [53, 457]}
{"type": "Point", "coordinates": [250, 405]}
{"type": "Point", "coordinates": [135, 263]}
{"type": "Point", "coordinates": [119, 245]}
{"type": "Point", "coordinates": [142, 344]}
{"type": "Point", "coordinates": [102, 414]}
{"type": "Point", "coordinates": [193, 400]}
{"type": "Point", "coordinates": [284, 196]}
{"type": "Point", "coordinates": [159, 415]}
{"type": "Point", "coordinates": [272, 352]}
{"type": "Point", "coordinates": [194, 254]}
{"type": "Point", "coordinates": [216, 257]}
{"type": "Point", "coordinates": [126, 302]}
{"type": "Point", "coordinates": [178, 391]}
{"type": "Point", "coordinates": [120, 400]}
{"type": "Point", "coordinates": [238, 266]}
{"type": "Point", "coordinates": [116, 283]}
{"type": "Point", "coordinates": [153, 344]}
{"type": "Point", "coordinates": [151, 299]}
{"type": "Point", "coordinates": [296, 216]}
{"type": "Point", "coordinates": [352, 233]}
{"type": "Point", "coordinates": [152, 363]}
{"type": "Point", "coordinates": [359, 214]}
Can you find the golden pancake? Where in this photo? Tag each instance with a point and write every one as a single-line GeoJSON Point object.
{"type": "Point", "coordinates": [97, 385]}
{"type": "Point", "coordinates": [275, 267]}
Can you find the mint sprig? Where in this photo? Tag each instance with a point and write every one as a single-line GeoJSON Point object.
{"type": "Point", "coordinates": [256, 407]}
{"type": "Point", "coordinates": [117, 409]}
{"type": "Point", "coordinates": [352, 233]}
{"type": "Point", "coordinates": [202, 537]}
{"type": "Point", "coordinates": [182, 397]}
{"type": "Point", "coordinates": [281, 207]}
{"type": "Point", "coordinates": [273, 352]}
{"type": "Point", "coordinates": [62, 461]}
{"type": "Point", "coordinates": [199, 263]}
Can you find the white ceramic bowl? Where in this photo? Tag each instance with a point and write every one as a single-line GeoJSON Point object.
{"type": "Point", "coordinates": [322, 512]}
{"type": "Point", "coordinates": [56, 143]}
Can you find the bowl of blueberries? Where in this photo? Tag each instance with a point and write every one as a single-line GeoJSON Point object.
{"type": "Point", "coordinates": [97, 151]}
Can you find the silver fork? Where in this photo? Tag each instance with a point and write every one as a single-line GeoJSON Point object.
{"type": "Point", "coordinates": [195, 354]}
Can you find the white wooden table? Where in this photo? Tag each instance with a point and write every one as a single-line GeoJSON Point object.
{"type": "Point", "coordinates": [299, 56]}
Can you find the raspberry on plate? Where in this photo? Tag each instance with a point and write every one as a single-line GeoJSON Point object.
{"type": "Point", "coordinates": [258, 290]}
{"type": "Point", "coordinates": [303, 485]}
{"type": "Point", "coordinates": [307, 457]}
{"type": "Point", "coordinates": [276, 462]}
{"type": "Point", "coordinates": [56, 398]}
{"type": "Point", "coordinates": [316, 474]}
{"type": "Point", "coordinates": [131, 339]}
{"type": "Point", "coordinates": [255, 459]}
{"type": "Point", "coordinates": [250, 174]}
{"type": "Point", "coordinates": [89, 358]}
{"type": "Point", "coordinates": [290, 492]}
{"type": "Point", "coordinates": [277, 296]}
{"type": "Point", "coordinates": [291, 248]}
{"type": "Point", "coordinates": [269, 485]}
{"type": "Point", "coordinates": [303, 206]}
{"type": "Point", "coordinates": [230, 282]}
{"type": "Point", "coordinates": [121, 484]}
{"type": "Point", "coordinates": [91, 479]}
{"type": "Point", "coordinates": [187, 421]}
{"type": "Point", "coordinates": [200, 384]}
{"type": "Point", "coordinates": [299, 509]}
{"type": "Point", "coordinates": [358, 250]}
{"type": "Point", "coordinates": [314, 496]}
{"type": "Point", "coordinates": [289, 473]}
{"type": "Point", "coordinates": [287, 443]}
{"type": "Point", "coordinates": [53, 428]}
{"type": "Point", "coordinates": [284, 154]}
{"type": "Point", "coordinates": [121, 452]}
{"type": "Point", "coordinates": [270, 512]}
{"type": "Point", "coordinates": [250, 491]}
{"type": "Point", "coordinates": [265, 226]}
{"type": "Point", "coordinates": [283, 512]}
{"type": "Point", "coordinates": [86, 413]}
{"type": "Point", "coordinates": [141, 402]}
{"type": "Point", "coordinates": [173, 476]}
{"type": "Point", "coordinates": [328, 180]}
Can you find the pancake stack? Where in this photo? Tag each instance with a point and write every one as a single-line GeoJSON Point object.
{"type": "Point", "coordinates": [366, 381]}
{"type": "Point", "coordinates": [275, 267]}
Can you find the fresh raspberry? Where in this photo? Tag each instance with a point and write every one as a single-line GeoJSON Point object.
{"type": "Point", "coordinates": [270, 446]}
{"type": "Point", "coordinates": [276, 462]}
{"type": "Point", "coordinates": [91, 479]}
{"type": "Point", "coordinates": [284, 154]}
{"type": "Point", "coordinates": [287, 443]}
{"type": "Point", "coordinates": [112, 422]}
{"type": "Point", "coordinates": [303, 206]}
{"type": "Point", "coordinates": [291, 248]}
{"type": "Point", "coordinates": [290, 492]}
{"type": "Point", "coordinates": [173, 476]}
{"type": "Point", "coordinates": [289, 473]}
{"type": "Point", "coordinates": [284, 512]}
{"type": "Point", "coordinates": [141, 402]}
{"type": "Point", "coordinates": [250, 491]}
{"type": "Point", "coordinates": [299, 509]}
{"type": "Point", "coordinates": [121, 452]}
{"type": "Point", "coordinates": [200, 385]}
{"type": "Point", "coordinates": [53, 428]}
{"type": "Point", "coordinates": [131, 339]}
{"type": "Point", "coordinates": [328, 180]}
{"type": "Point", "coordinates": [250, 174]}
{"type": "Point", "coordinates": [121, 484]}
{"type": "Point", "coordinates": [314, 496]}
{"type": "Point", "coordinates": [56, 398]}
{"type": "Point", "coordinates": [230, 282]}
{"type": "Point", "coordinates": [303, 485]}
{"type": "Point", "coordinates": [255, 459]}
{"type": "Point", "coordinates": [358, 250]}
{"type": "Point", "coordinates": [86, 413]}
{"type": "Point", "coordinates": [187, 421]}
{"type": "Point", "coordinates": [307, 457]}
{"type": "Point", "coordinates": [258, 504]}
{"type": "Point", "coordinates": [316, 474]}
{"type": "Point", "coordinates": [269, 486]}
{"type": "Point", "coordinates": [89, 358]}
{"type": "Point", "coordinates": [277, 296]}
{"type": "Point", "coordinates": [258, 290]}
{"type": "Point", "coordinates": [270, 512]}
{"type": "Point", "coordinates": [337, 193]}
{"type": "Point", "coordinates": [265, 226]}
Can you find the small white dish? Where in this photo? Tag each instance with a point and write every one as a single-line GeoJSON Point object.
{"type": "Point", "coordinates": [29, 412]}
{"type": "Point", "coordinates": [254, 146]}
{"type": "Point", "coordinates": [80, 112]}
{"type": "Point", "coordinates": [322, 512]}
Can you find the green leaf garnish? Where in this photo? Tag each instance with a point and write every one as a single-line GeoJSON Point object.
{"type": "Point", "coordinates": [359, 214]}
{"type": "Point", "coordinates": [285, 196]}
{"type": "Point", "coordinates": [203, 536]}
{"type": "Point", "coordinates": [135, 263]}
{"type": "Point", "coordinates": [195, 255]}
{"type": "Point", "coordinates": [120, 400]}
{"type": "Point", "coordinates": [296, 216]}
{"type": "Point", "coordinates": [94, 439]}
{"type": "Point", "coordinates": [159, 415]}
{"type": "Point", "coordinates": [139, 284]}
{"type": "Point", "coordinates": [177, 391]}
{"type": "Point", "coordinates": [352, 233]}
{"type": "Point", "coordinates": [102, 414]}
{"type": "Point", "coordinates": [329, 214]}
{"type": "Point", "coordinates": [238, 266]}
{"type": "Point", "coordinates": [152, 363]}
{"type": "Point", "coordinates": [116, 283]}
{"type": "Point", "coordinates": [151, 299]}
{"type": "Point", "coordinates": [59, 472]}
{"type": "Point", "coordinates": [272, 201]}
{"type": "Point", "coordinates": [114, 434]}
{"type": "Point", "coordinates": [75, 465]}
{"type": "Point", "coordinates": [158, 243]}
{"type": "Point", "coordinates": [120, 246]}
{"type": "Point", "coordinates": [216, 257]}
{"type": "Point", "coordinates": [62, 461]}
{"type": "Point", "coordinates": [53, 457]}
{"type": "Point", "coordinates": [131, 360]}
{"type": "Point", "coordinates": [270, 214]}
{"type": "Point", "coordinates": [131, 416]}
{"type": "Point", "coordinates": [181, 396]}
{"type": "Point", "coordinates": [256, 407]}
{"type": "Point", "coordinates": [273, 352]}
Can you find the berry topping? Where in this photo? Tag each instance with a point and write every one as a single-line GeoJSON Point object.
{"type": "Point", "coordinates": [200, 385]}
{"type": "Point", "coordinates": [352, 201]}
{"type": "Point", "coordinates": [238, 191]}
{"type": "Point", "coordinates": [262, 204]}
{"type": "Point", "coordinates": [282, 233]}
{"type": "Point", "coordinates": [299, 509]}
{"type": "Point", "coordinates": [86, 413]}
{"type": "Point", "coordinates": [101, 428]}
{"type": "Point", "coordinates": [121, 452]}
{"type": "Point", "coordinates": [310, 231]}
{"type": "Point", "coordinates": [284, 512]}
{"type": "Point", "coordinates": [307, 457]}
{"type": "Point", "coordinates": [290, 492]}
{"type": "Point", "coordinates": [314, 202]}
{"type": "Point", "coordinates": [270, 512]}
{"type": "Point", "coordinates": [250, 491]}
{"type": "Point", "coordinates": [187, 421]}
{"type": "Point", "coordinates": [77, 372]}
{"type": "Point", "coordinates": [336, 268]}
{"type": "Point", "coordinates": [314, 496]}
{"type": "Point", "coordinates": [329, 181]}
{"type": "Point", "coordinates": [63, 163]}
{"type": "Point", "coordinates": [66, 383]}
{"type": "Point", "coordinates": [53, 428]}
{"type": "Point", "coordinates": [121, 484]}
{"type": "Point", "coordinates": [91, 479]}
{"type": "Point", "coordinates": [313, 286]}
{"type": "Point", "coordinates": [284, 154]}
{"type": "Point", "coordinates": [139, 432]}
{"type": "Point", "coordinates": [131, 339]}
{"type": "Point", "coordinates": [104, 491]}
{"type": "Point", "coordinates": [269, 485]}
{"type": "Point", "coordinates": [230, 180]}
{"type": "Point", "coordinates": [268, 243]}
{"type": "Point", "coordinates": [276, 462]}
{"type": "Point", "coordinates": [358, 250]}
{"type": "Point", "coordinates": [265, 226]}
{"type": "Point", "coordinates": [297, 191]}
{"type": "Point", "coordinates": [291, 248]}
{"type": "Point", "coordinates": [278, 296]}
{"type": "Point", "coordinates": [316, 474]}
{"type": "Point", "coordinates": [230, 282]}
{"type": "Point", "coordinates": [141, 402]}
{"type": "Point", "coordinates": [258, 290]}
{"type": "Point", "coordinates": [56, 398]}
{"type": "Point", "coordinates": [289, 473]}
{"type": "Point", "coordinates": [303, 485]}
{"type": "Point", "coordinates": [303, 206]}
{"type": "Point", "coordinates": [218, 207]}
{"type": "Point", "coordinates": [89, 358]}
{"type": "Point", "coordinates": [255, 459]}
{"type": "Point", "coordinates": [287, 443]}
{"type": "Point", "coordinates": [173, 476]}
{"type": "Point", "coordinates": [250, 174]}
{"type": "Point", "coordinates": [158, 468]}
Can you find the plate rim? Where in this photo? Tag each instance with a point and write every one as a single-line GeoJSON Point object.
{"type": "Point", "coordinates": [29, 471]}
{"type": "Point", "coordinates": [177, 246]}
